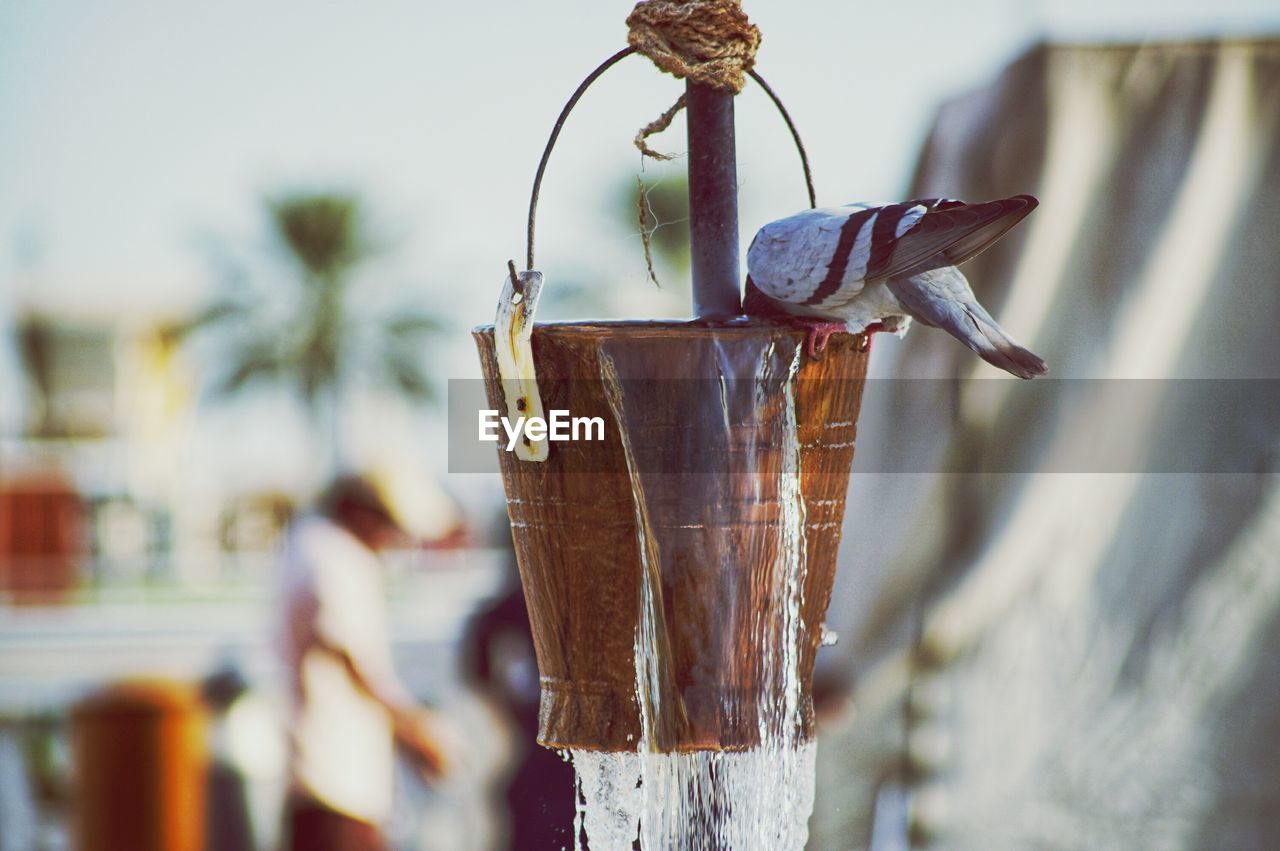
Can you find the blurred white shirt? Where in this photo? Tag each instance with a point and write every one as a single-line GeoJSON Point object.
{"type": "Point", "coordinates": [342, 748]}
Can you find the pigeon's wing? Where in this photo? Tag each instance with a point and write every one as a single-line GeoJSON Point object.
{"type": "Point", "coordinates": [804, 258]}
{"type": "Point", "coordinates": [946, 233]}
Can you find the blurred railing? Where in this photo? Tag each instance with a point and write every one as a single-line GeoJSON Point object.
{"type": "Point", "coordinates": [49, 654]}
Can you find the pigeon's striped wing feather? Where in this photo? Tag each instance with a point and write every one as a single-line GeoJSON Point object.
{"type": "Point", "coordinates": [947, 235]}
{"type": "Point", "coordinates": [807, 255]}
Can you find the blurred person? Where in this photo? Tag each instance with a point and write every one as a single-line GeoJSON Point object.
{"type": "Point", "coordinates": [498, 660]}
{"type": "Point", "coordinates": [349, 708]}
{"type": "Point", "coordinates": [228, 824]}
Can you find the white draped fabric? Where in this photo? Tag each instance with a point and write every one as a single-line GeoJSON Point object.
{"type": "Point", "coordinates": [1087, 651]}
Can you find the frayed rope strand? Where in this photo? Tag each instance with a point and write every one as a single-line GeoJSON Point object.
{"type": "Point", "coordinates": [657, 125]}
{"type": "Point", "coordinates": [643, 213]}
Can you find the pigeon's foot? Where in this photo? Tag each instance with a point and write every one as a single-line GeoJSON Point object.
{"type": "Point", "coordinates": [817, 332]}
{"type": "Point", "coordinates": [864, 343]}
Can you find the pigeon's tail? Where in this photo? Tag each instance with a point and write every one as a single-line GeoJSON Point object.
{"type": "Point", "coordinates": [942, 298]}
{"type": "Point", "coordinates": [980, 333]}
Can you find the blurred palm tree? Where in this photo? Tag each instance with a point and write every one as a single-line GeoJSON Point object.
{"type": "Point", "coordinates": [321, 340]}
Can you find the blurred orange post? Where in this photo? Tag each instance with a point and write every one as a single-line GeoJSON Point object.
{"type": "Point", "coordinates": [140, 759]}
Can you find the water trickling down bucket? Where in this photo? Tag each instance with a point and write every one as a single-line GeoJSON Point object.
{"type": "Point", "coordinates": [677, 572]}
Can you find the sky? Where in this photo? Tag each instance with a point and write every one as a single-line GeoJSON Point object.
{"type": "Point", "coordinates": [143, 126]}
{"type": "Point", "coordinates": [132, 128]}
{"type": "Point", "coordinates": [132, 133]}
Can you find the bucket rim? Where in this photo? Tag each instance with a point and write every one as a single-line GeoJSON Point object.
{"type": "Point", "coordinates": [591, 327]}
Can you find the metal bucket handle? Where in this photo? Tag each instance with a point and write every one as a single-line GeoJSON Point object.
{"type": "Point", "coordinates": [591, 78]}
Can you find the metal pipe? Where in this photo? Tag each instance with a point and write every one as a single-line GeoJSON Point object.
{"type": "Point", "coordinates": [713, 203]}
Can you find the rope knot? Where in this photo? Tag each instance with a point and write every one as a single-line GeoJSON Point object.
{"type": "Point", "coordinates": [707, 41]}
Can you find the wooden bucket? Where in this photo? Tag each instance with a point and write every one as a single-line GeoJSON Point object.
{"type": "Point", "coordinates": [684, 493]}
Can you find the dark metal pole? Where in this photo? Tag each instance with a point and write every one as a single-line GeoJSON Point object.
{"type": "Point", "coordinates": [713, 202]}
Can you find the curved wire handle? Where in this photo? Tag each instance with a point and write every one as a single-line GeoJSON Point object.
{"type": "Point", "coordinates": [795, 135]}
{"type": "Point", "coordinates": [577, 95]}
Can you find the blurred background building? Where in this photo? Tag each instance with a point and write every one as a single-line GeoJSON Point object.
{"type": "Point", "coordinates": [1070, 651]}
{"type": "Point", "coordinates": [241, 247]}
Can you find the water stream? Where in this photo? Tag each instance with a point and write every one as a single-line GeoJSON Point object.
{"type": "Point", "coordinates": [724, 542]}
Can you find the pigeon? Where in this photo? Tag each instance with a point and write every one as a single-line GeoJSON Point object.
{"type": "Point", "coordinates": [866, 268]}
